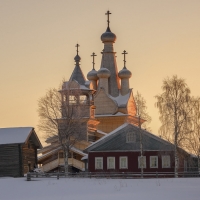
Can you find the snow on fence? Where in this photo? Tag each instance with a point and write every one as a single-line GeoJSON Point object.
{"type": "Point", "coordinates": [112, 175]}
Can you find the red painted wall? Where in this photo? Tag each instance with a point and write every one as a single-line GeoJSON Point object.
{"type": "Point", "coordinates": [132, 161]}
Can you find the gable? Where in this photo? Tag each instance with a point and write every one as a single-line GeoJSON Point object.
{"type": "Point", "coordinates": [104, 104]}
{"type": "Point", "coordinates": [117, 141]}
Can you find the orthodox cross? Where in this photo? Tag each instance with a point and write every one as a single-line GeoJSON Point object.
{"type": "Point", "coordinates": [124, 52]}
{"type": "Point", "coordinates": [108, 13]}
{"type": "Point", "coordinates": [93, 55]}
{"type": "Point", "coordinates": [77, 45]}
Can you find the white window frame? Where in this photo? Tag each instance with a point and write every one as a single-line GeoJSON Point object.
{"type": "Point", "coordinates": [72, 99]}
{"type": "Point", "coordinates": [121, 165]}
{"type": "Point", "coordinates": [130, 137]}
{"type": "Point", "coordinates": [97, 160]}
{"type": "Point", "coordinates": [108, 163]}
{"type": "Point", "coordinates": [151, 164]}
{"type": "Point", "coordinates": [139, 161]}
{"type": "Point", "coordinates": [83, 99]}
{"type": "Point", "coordinates": [164, 160]}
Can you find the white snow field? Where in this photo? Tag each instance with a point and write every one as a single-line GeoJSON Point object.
{"type": "Point", "coordinates": [99, 189]}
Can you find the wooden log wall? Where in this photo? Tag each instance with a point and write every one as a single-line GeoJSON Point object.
{"type": "Point", "coordinates": [10, 160]}
{"type": "Point", "coordinates": [29, 157]}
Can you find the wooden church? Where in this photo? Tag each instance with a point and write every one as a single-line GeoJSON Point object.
{"type": "Point", "coordinates": [111, 133]}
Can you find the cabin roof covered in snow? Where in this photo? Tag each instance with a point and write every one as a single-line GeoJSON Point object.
{"type": "Point", "coordinates": [18, 135]}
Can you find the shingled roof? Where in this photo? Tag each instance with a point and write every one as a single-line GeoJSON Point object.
{"type": "Point", "coordinates": [78, 75]}
{"type": "Point", "coordinates": [116, 141]}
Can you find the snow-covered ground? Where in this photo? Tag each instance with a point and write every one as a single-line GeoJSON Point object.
{"type": "Point", "coordinates": [99, 189]}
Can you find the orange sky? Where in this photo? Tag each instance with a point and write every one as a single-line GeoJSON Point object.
{"type": "Point", "coordinates": [37, 47]}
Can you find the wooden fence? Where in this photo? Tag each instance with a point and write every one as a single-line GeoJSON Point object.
{"type": "Point", "coordinates": [113, 175]}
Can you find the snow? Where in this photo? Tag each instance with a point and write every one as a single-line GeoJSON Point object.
{"type": "Point", "coordinates": [99, 189]}
{"type": "Point", "coordinates": [14, 135]}
{"type": "Point", "coordinates": [121, 100]}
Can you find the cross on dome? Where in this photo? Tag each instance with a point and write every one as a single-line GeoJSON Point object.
{"type": "Point", "coordinates": [124, 52]}
{"type": "Point", "coordinates": [108, 13]}
{"type": "Point", "coordinates": [93, 55]}
{"type": "Point", "coordinates": [77, 46]}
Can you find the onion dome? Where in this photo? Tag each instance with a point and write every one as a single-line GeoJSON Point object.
{"type": "Point", "coordinates": [77, 58]}
{"type": "Point", "coordinates": [124, 73]}
{"type": "Point", "coordinates": [92, 75]}
{"type": "Point", "coordinates": [103, 73]}
{"type": "Point", "coordinates": [108, 36]}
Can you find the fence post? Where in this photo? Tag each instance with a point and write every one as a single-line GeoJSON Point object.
{"type": "Point", "coordinates": [28, 177]}
{"type": "Point", "coordinates": [58, 176]}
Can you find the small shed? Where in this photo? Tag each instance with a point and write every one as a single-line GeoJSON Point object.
{"type": "Point", "coordinates": [18, 151]}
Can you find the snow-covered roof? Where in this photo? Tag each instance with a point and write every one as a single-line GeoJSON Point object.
{"type": "Point", "coordinates": [101, 132]}
{"type": "Point", "coordinates": [74, 149]}
{"type": "Point", "coordinates": [49, 153]}
{"type": "Point", "coordinates": [16, 135]}
{"type": "Point", "coordinates": [121, 100]}
{"type": "Point", "coordinates": [111, 115]}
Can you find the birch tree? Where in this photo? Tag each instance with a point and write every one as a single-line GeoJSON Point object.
{"type": "Point", "coordinates": [193, 139]}
{"type": "Point", "coordinates": [142, 111]}
{"type": "Point", "coordinates": [174, 106]}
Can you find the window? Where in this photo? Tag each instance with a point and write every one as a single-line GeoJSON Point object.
{"type": "Point", "coordinates": [130, 137]}
{"type": "Point", "coordinates": [165, 161]}
{"type": "Point", "coordinates": [142, 161]}
{"type": "Point", "coordinates": [153, 161]}
{"type": "Point", "coordinates": [123, 163]}
{"type": "Point", "coordinates": [110, 162]}
{"type": "Point", "coordinates": [98, 163]}
{"type": "Point", "coordinates": [72, 99]}
{"type": "Point", "coordinates": [83, 99]}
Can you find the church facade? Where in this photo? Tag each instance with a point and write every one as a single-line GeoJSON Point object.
{"type": "Point", "coordinates": [109, 107]}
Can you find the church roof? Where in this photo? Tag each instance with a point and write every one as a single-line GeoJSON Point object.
{"type": "Point", "coordinates": [78, 75]}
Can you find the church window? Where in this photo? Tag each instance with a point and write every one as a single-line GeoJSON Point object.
{"type": "Point", "coordinates": [153, 161]}
{"type": "Point", "coordinates": [99, 163]}
{"type": "Point", "coordinates": [165, 161]}
{"type": "Point", "coordinates": [110, 162]}
{"type": "Point", "coordinates": [141, 161]}
{"type": "Point", "coordinates": [72, 99]}
{"type": "Point", "coordinates": [123, 161]}
{"type": "Point", "coordinates": [130, 137]}
{"type": "Point", "coordinates": [83, 99]}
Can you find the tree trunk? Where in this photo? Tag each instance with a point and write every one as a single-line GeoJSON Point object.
{"type": "Point", "coordinates": [66, 162]}
{"type": "Point", "coordinates": [198, 163]}
{"type": "Point", "coordinates": [176, 161]}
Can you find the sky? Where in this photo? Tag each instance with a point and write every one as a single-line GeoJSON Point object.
{"type": "Point", "coordinates": [38, 38]}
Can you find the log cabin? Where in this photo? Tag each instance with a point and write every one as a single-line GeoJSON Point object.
{"type": "Point", "coordinates": [18, 151]}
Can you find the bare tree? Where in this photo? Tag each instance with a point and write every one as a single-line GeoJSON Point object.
{"type": "Point", "coordinates": [142, 114]}
{"type": "Point", "coordinates": [49, 109]}
{"type": "Point", "coordinates": [193, 139]}
{"type": "Point", "coordinates": [174, 106]}
{"type": "Point", "coordinates": [142, 111]}
{"type": "Point", "coordinates": [62, 114]}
